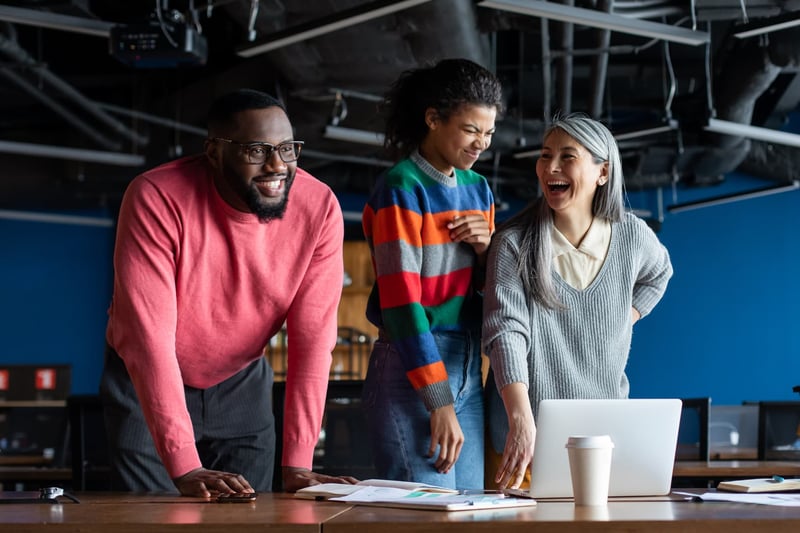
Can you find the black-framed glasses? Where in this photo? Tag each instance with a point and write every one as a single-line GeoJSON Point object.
{"type": "Point", "coordinates": [259, 153]}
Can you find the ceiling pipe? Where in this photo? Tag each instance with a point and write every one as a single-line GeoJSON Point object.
{"type": "Point", "coordinates": [74, 154]}
{"type": "Point", "coordinates": [597, 19]}
{"type": "Point", "coordinates": [59, 109]}
{"type": "Point", "coordinates": [462, 38]}
{"type": "Point", "coordinates": [155, 119]}
{"type": "Point", "coordinates": [337, 21]}
{"type": "Point", "coordinates": [54, 21]}
{"type": "Point", "coordinates": [565, 63]}
{"type": "Point", "coordinates": [12, 49]}
{"type": "Point", "coordinates": [547, 70]}
{"type": "Point", "coordinates": [750, 71]}
{"type": "Point", "coordinates": [600, 65]}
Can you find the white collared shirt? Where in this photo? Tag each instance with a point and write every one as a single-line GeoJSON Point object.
{"type": "Point", "coordinates": [579, 266]}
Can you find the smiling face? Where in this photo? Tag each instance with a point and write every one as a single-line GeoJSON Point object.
{"type": "Point", "coordinates": [456, 142]}
{"type": "Point", "coordinates": [260, 189]}
{"type": "Point", "coordinates": [569, 175]}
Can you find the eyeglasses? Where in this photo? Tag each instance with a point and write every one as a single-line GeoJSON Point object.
{"type": "Point", "coordinates": [259, 153]}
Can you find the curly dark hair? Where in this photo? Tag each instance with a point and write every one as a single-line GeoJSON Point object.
{"type": "Point", "coordinates": [445, 87]}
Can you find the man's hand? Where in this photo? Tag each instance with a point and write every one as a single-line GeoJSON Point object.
{"type": "Point", "coordinates": [203, 483]}
{"type": "Point", "coordinates": [295, 478]}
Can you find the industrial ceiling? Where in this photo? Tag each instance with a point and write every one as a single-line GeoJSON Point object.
{"type": "Point", "coordinates": [86, 103]}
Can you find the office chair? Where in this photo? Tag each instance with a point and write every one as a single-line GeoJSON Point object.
{"type": "Point", "coordinates": [91, 468]}
{"type": "Point", "coordinates": [693, 430]}
{"type": "Point", "coordinates": [779, 431]}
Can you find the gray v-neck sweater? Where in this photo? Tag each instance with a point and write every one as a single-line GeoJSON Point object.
{"type": "Point", "coordinates": [580, 351]}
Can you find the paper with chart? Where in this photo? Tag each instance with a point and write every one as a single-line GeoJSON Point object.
{"type": "Point", "coordinates": [420, 499]}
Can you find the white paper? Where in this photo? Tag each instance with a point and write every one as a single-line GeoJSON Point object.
{"type": "Point", "coordinates": [782, 500]}
{"type": "Point", "coordinates": [369, 493]}
{"type": "Point", "coordinates": [468, 500]}
{"type": "Point", "coordinates": [333, 490]}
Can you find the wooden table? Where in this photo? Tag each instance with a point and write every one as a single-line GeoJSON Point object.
{"type": "Point", "coordinates": [734, 469]}
{"type": "Point", "coordinates": [280, 513]}
{"type": "Point", "coordinates": [564, 517]}
{"type": "Point", "coordinates": [127, 513]}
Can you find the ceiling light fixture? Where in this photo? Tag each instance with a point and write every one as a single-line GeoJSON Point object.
{"type": "Point", "coordinates": [356, 159]}
{"type": "Point", "coordinates": [323, 25]}
{"type": "Point", "coordinates": [753, 132]}
{"type": "Point", "coordinates": [767, 25]}
{"type": "Point", "coordinates": [528, 153]}
{"type": "Point", "coordinates": [338, 133]}
{"type": "Point", "coordinates": [75, 154]}
{"type": "Point", "coordinates": [54, 21]}
{"type": "Point", "coordinates": [600, 19]}
{"type": "Point", "coordinates": [736, 197]}
{"type": "Point", "coordinates": [670, 125]}
{"type": "Point", "coordinates": [53, 218]}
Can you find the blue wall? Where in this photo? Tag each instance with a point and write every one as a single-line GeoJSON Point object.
{"type": "Point", "coordinates": [728, 327]}
{"type": "Point", "coordinates": [729, 324]}
{"type": "Point", "coordinates": [55, 287]}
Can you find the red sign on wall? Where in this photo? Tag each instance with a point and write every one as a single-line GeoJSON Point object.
{"type": "Point", "coordinates": [3, 379]}
{"type": "Point", "coordinates": [45, 379]}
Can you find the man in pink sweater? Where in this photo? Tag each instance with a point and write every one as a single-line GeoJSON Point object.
{"type": "Point", "coordinates": [214, 254]}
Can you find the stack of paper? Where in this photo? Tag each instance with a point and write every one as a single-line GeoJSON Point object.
{"type": "Point", "coordinates": [327, 491]}
{"type": "Point", "coordinates": [386, 493]}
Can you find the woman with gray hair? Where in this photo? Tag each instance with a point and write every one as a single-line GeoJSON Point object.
{"type": "Point", "coordinates": [567, 278]}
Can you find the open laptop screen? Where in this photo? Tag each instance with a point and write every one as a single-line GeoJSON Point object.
{"type": "Point", "coordinates": [644, 432]}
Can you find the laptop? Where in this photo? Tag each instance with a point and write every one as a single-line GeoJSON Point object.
{"type": "Point", "coordinates": [644, 433]}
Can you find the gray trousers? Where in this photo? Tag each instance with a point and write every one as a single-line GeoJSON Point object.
{"type": "Point", "coordinates": [234, 428]}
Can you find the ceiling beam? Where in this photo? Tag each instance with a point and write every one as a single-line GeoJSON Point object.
{"type": "Point", "coordinates": [737, 129]}
{"type": "Point", "coordinates": [767, 25]}
{"type": "Point", "coordinates": [735, 197]}
{"type": "Point", "coordinates": [323, 25]}
{"type": "Point", "coordinates": [599, 19]}
{"type": "Point", "coordinates": [54, 21]}
{"type": "Point", "coordinates": [73, 154]}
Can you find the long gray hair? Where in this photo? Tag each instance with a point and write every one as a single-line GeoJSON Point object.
{"type": "Point", "coordinates": [535, 222]}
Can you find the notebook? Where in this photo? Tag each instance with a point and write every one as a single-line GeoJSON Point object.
{"type": "Point", "coordinates": [644, 432]}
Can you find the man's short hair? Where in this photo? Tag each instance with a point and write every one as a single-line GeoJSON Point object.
{"type": "Point", "coordinates": [227, 105]}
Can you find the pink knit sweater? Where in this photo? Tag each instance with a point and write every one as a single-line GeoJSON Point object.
{"type": "Point", "coordinates": [201, 287]}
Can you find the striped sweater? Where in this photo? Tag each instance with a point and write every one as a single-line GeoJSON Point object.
{"type": "Point", "coordinates": [424, 280]}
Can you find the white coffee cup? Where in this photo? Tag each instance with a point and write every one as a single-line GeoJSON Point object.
{"type": "Point", "coordinates": [590, 468]}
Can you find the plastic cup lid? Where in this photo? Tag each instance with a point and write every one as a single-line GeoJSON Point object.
{"type": "Point", "coordinates": [589, 441]}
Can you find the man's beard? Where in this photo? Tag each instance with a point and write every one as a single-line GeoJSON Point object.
{"type": "Point", "coordinates": [266, 212]}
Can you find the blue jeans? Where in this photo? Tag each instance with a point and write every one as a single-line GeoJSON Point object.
{"type": "Point", "coordinates": [399, 424]}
